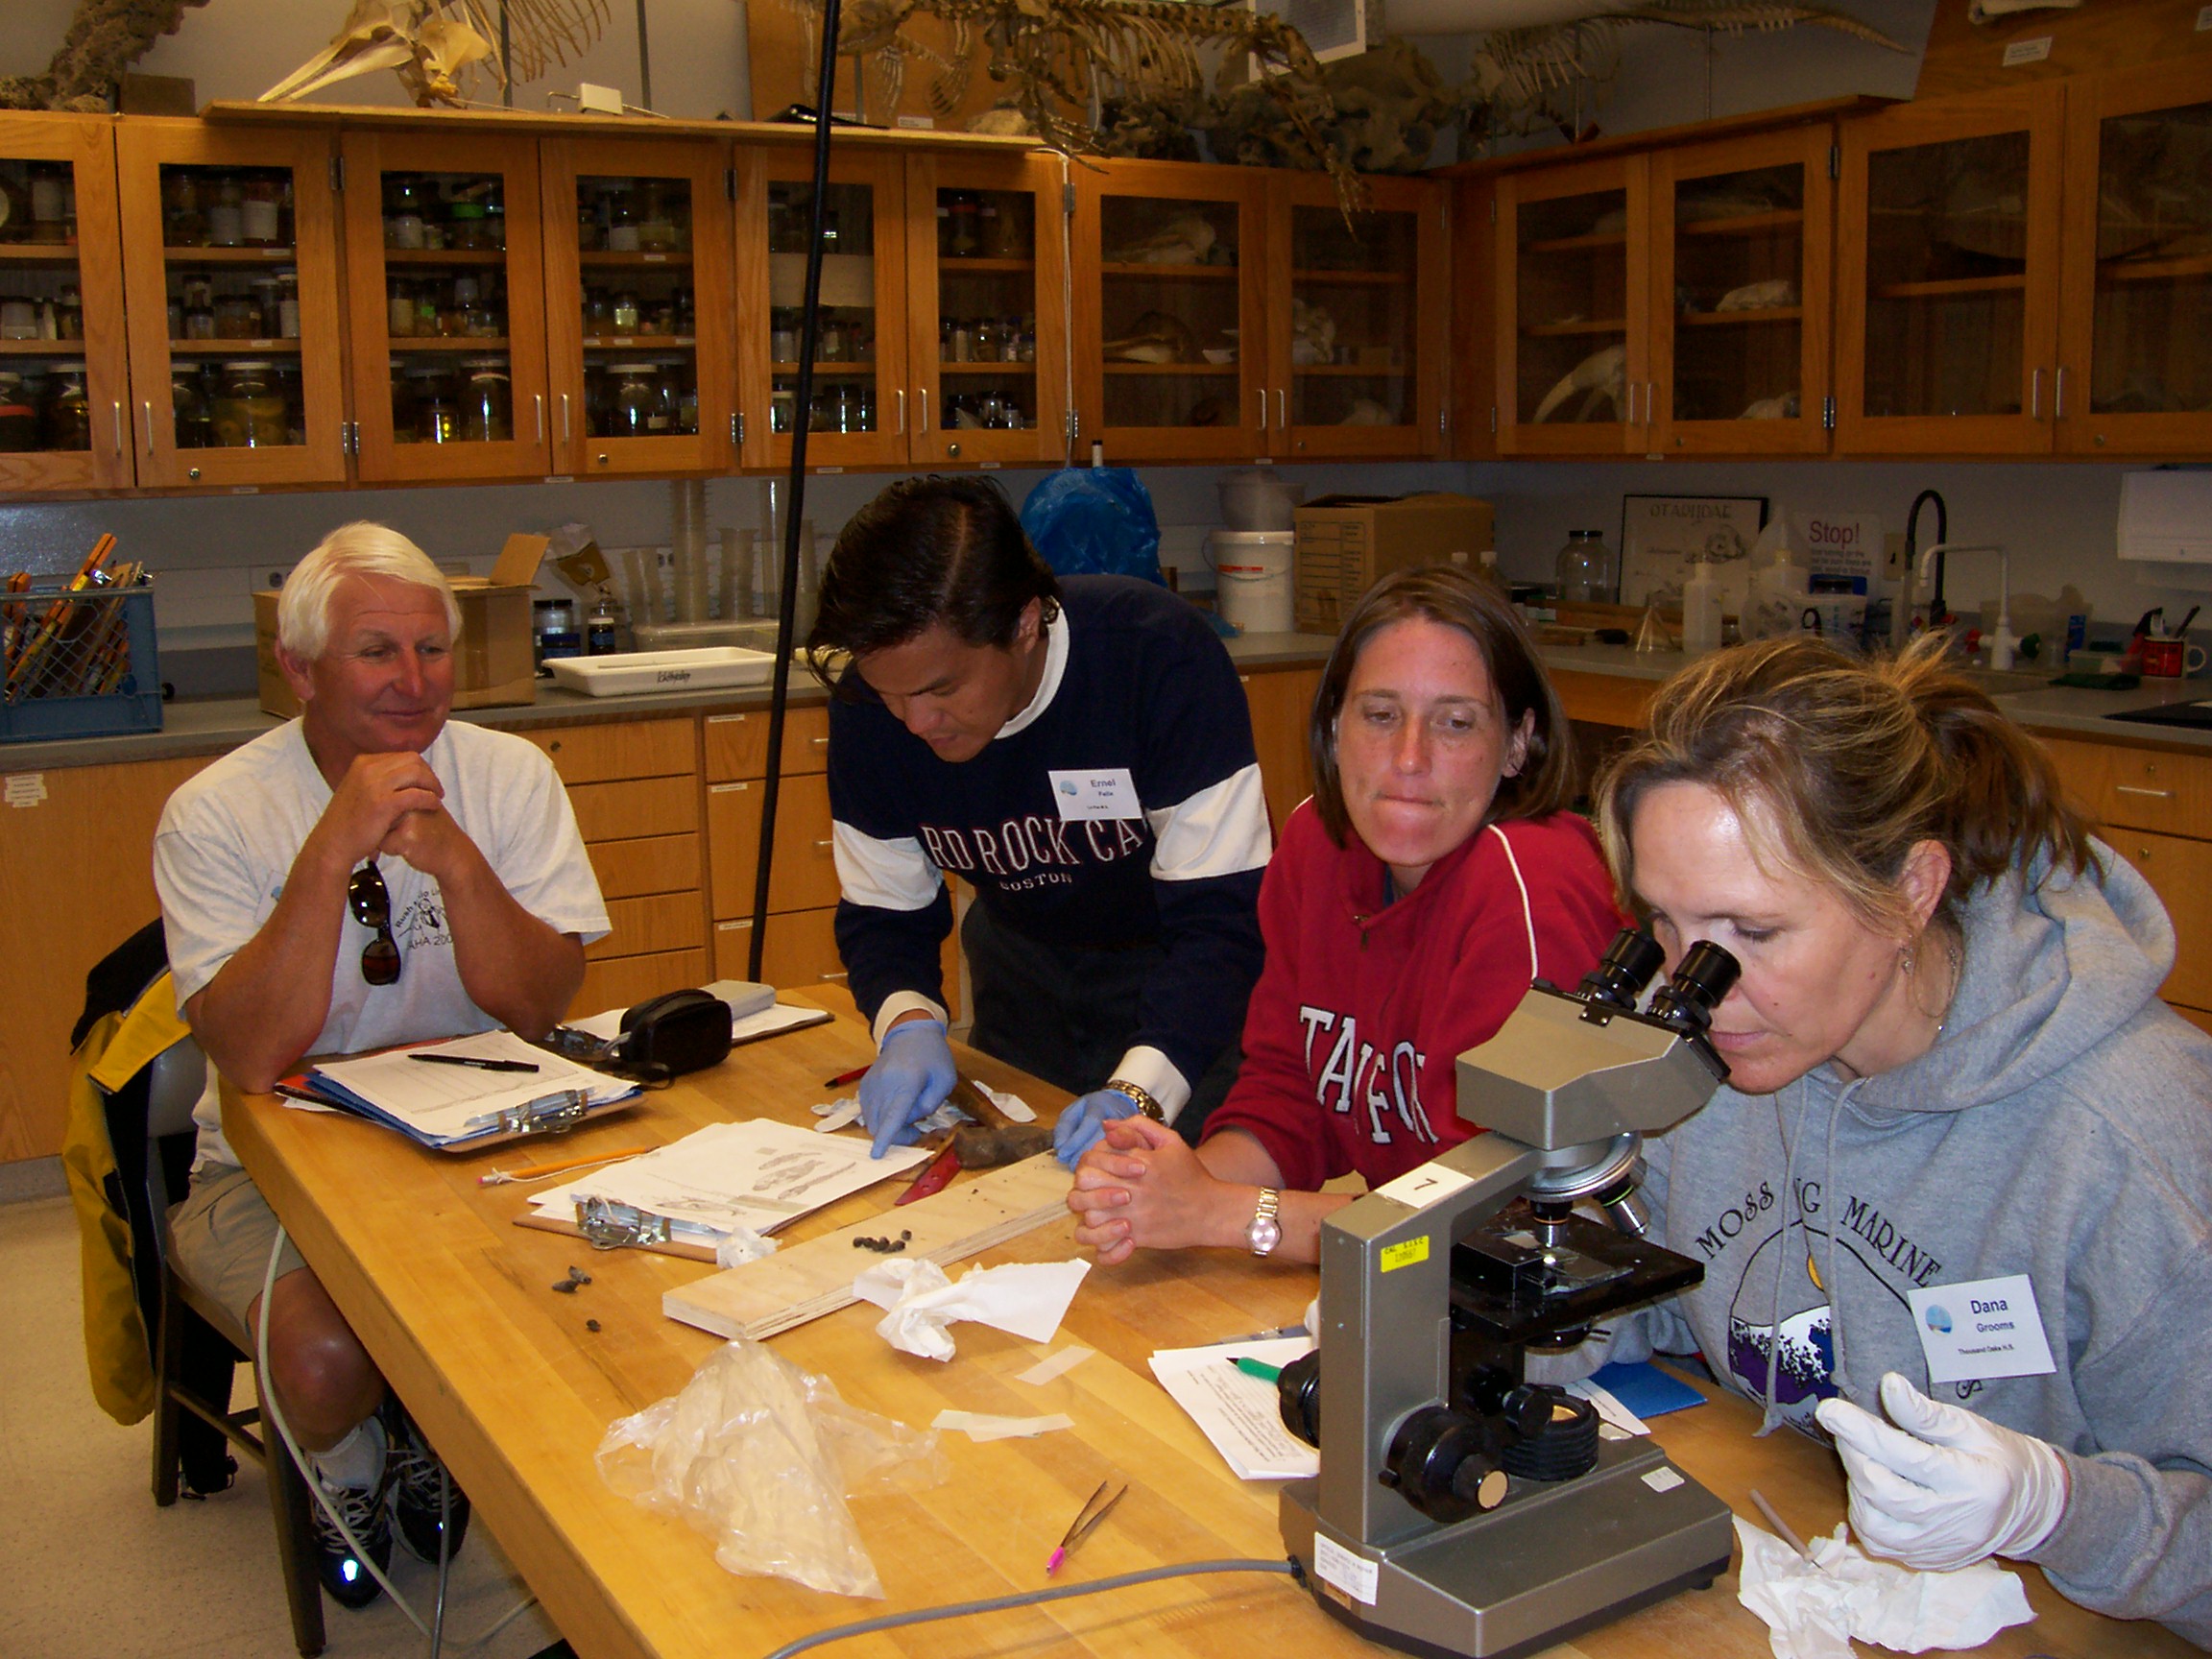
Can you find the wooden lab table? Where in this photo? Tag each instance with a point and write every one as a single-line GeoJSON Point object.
{"type": "Point", "coordinates": [456, 1304]}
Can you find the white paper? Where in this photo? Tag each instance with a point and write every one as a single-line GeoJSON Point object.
{"type": "Point", "coordinates": [759, 1174]}
{"type": "Point", "coordinates": [1813, 1612]}
{"type": "Point", "coordinates": [1026, 1298]}
{"type": "Point", "coordinates": [1235, 1411]}
{"type": "Point", "coordinates": [982, 1426]}
{"type": "Point", "coordinates": [441, 1103]}
{"type": "Point", "coordinates": [1052, 1369]}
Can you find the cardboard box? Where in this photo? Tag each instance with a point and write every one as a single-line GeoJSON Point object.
{"type": "Point", "coordinates": [1347, 543]}
{"type": "Point", "coordinates": [492, 661]}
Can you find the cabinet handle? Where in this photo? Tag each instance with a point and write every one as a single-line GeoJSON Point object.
{"type": "Point", "coordinates": [840, 974]}
{"type": "Point", "coordinates": [920, 411]}
{"type": "Point", "coordinates": [563, 417]}
{"type": "Point", "coordinates": [118, 405]}
{"type": "Point", "coordinates": [826, 843]}
{"type": "Point", "coordinates": [1282, 410]}
{"type": "Point", "coordinates": [818, 742]}
{"type": "Point", "coordinates": [1263, 391]}
{"type": "Point", "coordinates": [2036, 394]}
{"type": "Point", "coordinates": [2058, 395]}
{"type": "Point", "coordinates": [538, 400]}
{"type": "Point", "coordinates": [148, 407]}
{"type": "Point", "coordinates": [1631, 403]}
{"type": "Point", "coordinates": [1651, 403]}
{"type": "Point", "coordinates": [901, 412]}
{"type": "Point", "coordinates": [2152, 794]}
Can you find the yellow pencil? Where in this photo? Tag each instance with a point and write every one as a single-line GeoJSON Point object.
{"type": "Point", "coordinates": [500, 1177]}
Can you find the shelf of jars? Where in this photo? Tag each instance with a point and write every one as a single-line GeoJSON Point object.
{"type": "Point", "coordinates": [1353, 279]}
{"type": "Point", "coordinates": [1737, 224]}
{"type": "Point", "coordinates": [1164, 273]}
{"type": "Point", "coordinates": [1765, 314]}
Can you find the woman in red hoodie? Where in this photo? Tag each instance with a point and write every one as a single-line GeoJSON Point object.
{"type": "Point", "coordinates": [1434, 873]}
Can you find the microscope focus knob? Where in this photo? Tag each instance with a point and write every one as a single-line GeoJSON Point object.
{"type": "Point", "coordinates": [1441, 1461]}
{"type": "Point", "coordinates": [1298, 1397]}
{"type": "Point", "coordinates": [1526, 1410]}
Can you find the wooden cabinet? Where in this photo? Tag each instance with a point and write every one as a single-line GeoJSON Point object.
{"type": "Point", "coordinates": [859, 414]}
{"type": "Point", "coordinates": [1170, 285]}
{"type": "Point", "coordinates": [445, 306]}
{"type": "Point", "coordinates": [634, 788]}
{"type": "Point", "coordinates": [641, 334]}
{"type": "Point", "coordinates": [1573, 281]}
{"type": "Point", "coordinates": [76, 881]}
{"type": "Point", "coordinates": [1282, 704]}
{"type": "Point", "coordinates": [1947, 285]}
{"type": "Point", "coordinates": [987, 265]}
{"type": "Point", "coordinates": [1357, 319]}
{"type": "Point", "coordinates": [801, 948]}
{"type": "Point", "coordinates": [1741, 299]}
{"type": "Point", "coordinates": [230, 262]}
{"type": "Point", "coordinates": [64, 375]}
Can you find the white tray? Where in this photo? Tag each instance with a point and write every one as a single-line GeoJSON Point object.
{"type": "Point", "coordinates": [633, 672]}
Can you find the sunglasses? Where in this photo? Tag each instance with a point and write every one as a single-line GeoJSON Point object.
{"type": "Point", "coordinates": [371, 906]}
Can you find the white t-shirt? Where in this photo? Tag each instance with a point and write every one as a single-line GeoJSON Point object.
{"type": "Point", "coordinates": [229, 837]}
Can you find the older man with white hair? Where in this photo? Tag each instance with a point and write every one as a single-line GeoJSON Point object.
{"type": "Point", "coordinates": [367, 874]}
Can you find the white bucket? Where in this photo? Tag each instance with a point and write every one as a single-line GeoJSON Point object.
{"type": "Point", "coordinates": [1253, 588]}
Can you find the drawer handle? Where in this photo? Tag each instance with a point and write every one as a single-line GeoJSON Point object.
{"type": "Point", "coordinates": [836, 976]}
{"type": "Point", "coordinates": [2144, 854]}
{"type": "Point", "coordinates": [826, 843]}
{"type": "Point", "coordinates": [2153, 794]}
{"type": "Point", "coordinates": [819, 742]}
{"type": "Point", "coordinates": [723, 719]}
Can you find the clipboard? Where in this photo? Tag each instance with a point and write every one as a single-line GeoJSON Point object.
{"type": "Point", "coordinates": [568, 1100]}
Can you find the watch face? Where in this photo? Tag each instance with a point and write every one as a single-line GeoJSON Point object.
{"type": "Point", "coordinates": [1264, 1233]}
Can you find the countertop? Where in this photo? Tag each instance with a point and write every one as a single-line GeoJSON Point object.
{"type": "Point", "coordinates": [215, 725]}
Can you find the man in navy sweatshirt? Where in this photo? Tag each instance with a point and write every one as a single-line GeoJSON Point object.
{"type": "Point", "coordinates": [1080, 752]}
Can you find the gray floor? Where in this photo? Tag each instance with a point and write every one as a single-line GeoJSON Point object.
{"type": "Point", "coordinates": [90, 1567]}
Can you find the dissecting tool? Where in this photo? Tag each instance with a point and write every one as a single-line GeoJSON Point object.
{"type": "Point", "coordinates": [1085, 1523]}
{"type": "Point", "coordinates": [531, 1171]}
{"type": "Point", "coordinates": [1781, 1527]}
{"type": "Point", "coordinates": [934, 1176]}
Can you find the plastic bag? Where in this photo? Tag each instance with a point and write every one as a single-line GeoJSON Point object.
{"type": "Point", "coordinates": [1094, 521]}
{"type": "Point", "coordinates": [760, 1457]}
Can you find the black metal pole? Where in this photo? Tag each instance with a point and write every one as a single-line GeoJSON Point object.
{"type": "Point", "coordinates": [644, 63]}
{"type": "Point", "coordinates": [506, 55]}
{"type": "Point", "coordinates": [795, 497]}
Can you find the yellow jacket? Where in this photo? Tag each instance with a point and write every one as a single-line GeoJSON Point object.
{"type": "Point", "coordinates": [116, 1344]}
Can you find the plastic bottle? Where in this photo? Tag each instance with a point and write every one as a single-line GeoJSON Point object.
{"type": "Point", "coordinates": [1585, 569]}
{"type": "Point", "coordinates": [1779, 586]}
{"type": "Point", "coordinates": [1700, 608]}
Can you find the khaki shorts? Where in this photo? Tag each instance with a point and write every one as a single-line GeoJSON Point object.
{"type": "Point", "coordinates": [219, 1238]}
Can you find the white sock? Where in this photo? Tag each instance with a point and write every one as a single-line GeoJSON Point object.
{"type": "Point", "coordinates": [356, 1461]}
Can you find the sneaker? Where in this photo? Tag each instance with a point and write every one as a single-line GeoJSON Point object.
{"type": "Point", "coordinates": [351, 1584]}
{"type": "Point", "coordinates": [415, 1475]}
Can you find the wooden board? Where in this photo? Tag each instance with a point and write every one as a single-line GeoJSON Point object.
{"type": "Point", "coordinates": [1962, 57]}
{"type": "Point", "coordinates": [809, 1280]}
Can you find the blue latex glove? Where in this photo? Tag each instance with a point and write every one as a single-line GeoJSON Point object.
{"type": "Point", "coordinates": [1081, 1125]}
{"type": "Point", "coordinates": [912, 1075]}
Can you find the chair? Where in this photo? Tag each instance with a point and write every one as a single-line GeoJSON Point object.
{"type": "Point", "coordinates": [195, 1344]}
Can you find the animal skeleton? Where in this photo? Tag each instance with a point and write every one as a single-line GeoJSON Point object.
{"type": "Point", "coordinates": [434, 45]}
{"type": "Point", "coordinates": [1603, 375]}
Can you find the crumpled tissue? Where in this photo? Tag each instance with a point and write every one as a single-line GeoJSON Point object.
{"type": "Point", "coordinates": [1813, 1612]}
{"type": "Point", "coordinates": [740, 1245]}
{"type": "Point", "coordinates": [1027, 1298]}
{"type": "Point", "coordinates": [836, 1115]}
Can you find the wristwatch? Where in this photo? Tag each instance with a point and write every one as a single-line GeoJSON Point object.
{"type": "Point", "coordinates": [1145, 1104]}
{"type": "Point", "coordinates": [1265, 1232]}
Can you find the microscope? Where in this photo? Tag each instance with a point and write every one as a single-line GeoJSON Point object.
{"type": "Point", "coordinates": [1459, 1510]}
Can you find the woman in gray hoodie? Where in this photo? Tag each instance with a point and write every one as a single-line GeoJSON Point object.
{"type": "Point", "coordinates": [1955, 1204]}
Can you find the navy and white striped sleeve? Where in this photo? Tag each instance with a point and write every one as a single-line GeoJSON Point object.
{"type": "Point", "coordinates": [894, 909]}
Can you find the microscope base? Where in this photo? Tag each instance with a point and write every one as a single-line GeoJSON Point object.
{"type": "Point", "coordinates": [1552, 1561]}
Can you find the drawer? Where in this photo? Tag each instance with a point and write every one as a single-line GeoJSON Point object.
{"type": "Point", "coordinates": [656, 922]}
{"type": "Point", "coordinates": [619, 981]}
{"type": "Point", "coordinates": [2146, 790]}
{"type": "Point", "coordinates": [636, 806]}
{"type": "Point", "coordinates": [2082, 772]}
{"type": "Point", "coordinates": [736, 745]}
{"type": "Point", "coordinates": [802, 951]}
{"type": "Point", "coordinates": [648, 864]}
{"type": "Point", "coordinates": [805, 872]}
{"type": "Point", "coordinates": [2180, 872]}
{"type": "Point", "coordinates": [622, 748]}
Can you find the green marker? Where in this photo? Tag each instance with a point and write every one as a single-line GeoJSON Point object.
{"type": "Point", "coordinates": [1257, 1368]}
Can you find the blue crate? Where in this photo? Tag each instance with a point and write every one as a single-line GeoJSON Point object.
{"type": "Point", "coordinates": [26, 715]}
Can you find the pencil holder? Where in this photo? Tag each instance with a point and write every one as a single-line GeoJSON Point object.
{"type": "Point", "coordinates": [80, 664]}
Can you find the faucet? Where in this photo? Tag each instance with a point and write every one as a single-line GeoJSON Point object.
{"type": "Point", "coordinates": [1936, 616]}
{"type": "Point", "coordinates": [2004, 643]}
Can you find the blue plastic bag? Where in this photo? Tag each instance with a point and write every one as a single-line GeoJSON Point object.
{"type": "Point", "coordinates": [1094, 521]}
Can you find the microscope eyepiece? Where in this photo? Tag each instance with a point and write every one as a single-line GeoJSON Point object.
{"type": "Point", "coordinates": [1628, 965]}
{"type": "Point", "coordinates": [1704, 976]}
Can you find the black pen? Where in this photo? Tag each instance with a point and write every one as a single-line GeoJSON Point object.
{"type": "Point", "coordinates": [469, 1060]}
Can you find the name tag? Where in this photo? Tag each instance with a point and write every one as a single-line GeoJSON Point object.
{"type": "Point", "coordinates": [1087, 797]}
{"type": "Point", "coordinates": [1980, 1329]}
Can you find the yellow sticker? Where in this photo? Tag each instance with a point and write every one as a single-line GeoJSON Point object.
{"type": "Point", "coordinates": [1405, 1255]}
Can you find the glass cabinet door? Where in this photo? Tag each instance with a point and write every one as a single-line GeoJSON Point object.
{"type": "Point", "coordinates": [1573, 292]}
{"type": "Point", "coordinates": [856, 411]}
{"type": "Point", "coordinates": [231, 260]}
{"type": "Point", "coordinates": [1740, 295]}
{"type": "Point", "coordinates": [2135, 368]}
{"type": "Point", "coordinates": [987, 254]}
{"type": "Point", "coordinates": [1357, 319]}
{"type": "Point", "coordinates": [1169, 362]}
{"type": "Point", "coordinates": [1947, 320]}
{"type": "Point", "coordinates": [638, 329]}
{"type": "Point", "coordinates": [63, 424]}
{"type": "Point", "coordinates": [447, 275]}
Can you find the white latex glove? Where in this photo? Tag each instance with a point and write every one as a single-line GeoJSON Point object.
{"type": "Point", "coordinates": [1944, 1488]}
